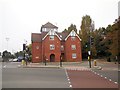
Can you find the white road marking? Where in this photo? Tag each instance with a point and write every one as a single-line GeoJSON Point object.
{"type": "Point", "coordinates": [68, 79]}
{"type": "Point", "coordinates": [105, 77]}
{"type": "Point", "coordinates": [115, 82]}
{"type": "Point", "coordinates": [4, 66]}
{"type": "Point", "coordinates": [70, 85]}
{"type": "Point", "coordinates": [19, 65]}
{"type": "Point", "coordinates": [110, 80]}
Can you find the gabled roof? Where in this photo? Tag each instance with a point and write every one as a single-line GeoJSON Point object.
{"type": "Point", "coordinates": [49, 25]}
{"type": "Point", "coordinates": [76, 36]}
{"type": "Point", "coordinates": [48, 34]}
{"type": "Point", "coordinates": [62, 35]}
{"type": "Point", "coordinates": [36, 37]}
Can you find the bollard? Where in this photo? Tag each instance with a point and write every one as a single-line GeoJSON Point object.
{"type": "Point", "coordinates": [22, 62]}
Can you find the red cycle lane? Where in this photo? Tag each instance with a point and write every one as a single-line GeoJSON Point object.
{"type": "Point", "coordinates": [87, 79]}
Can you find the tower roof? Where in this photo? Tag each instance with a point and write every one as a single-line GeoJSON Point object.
{"type": "Point", "coordinates": [49, 25]}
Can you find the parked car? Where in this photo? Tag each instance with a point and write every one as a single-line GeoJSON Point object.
{"type": "Point", "coordinates": [20, 58]}
{"type": "Point", "coordinates": [10, 60]}
{"type": "Point", "coordinates": [15, 60]}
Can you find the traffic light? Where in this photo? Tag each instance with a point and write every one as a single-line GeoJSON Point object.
{"type": "Point", "coordinates": [24, 47]}
{"type": "Point", "coordinates": [27, 49]}
{"type": "Point", "coordinates": [92, 40]}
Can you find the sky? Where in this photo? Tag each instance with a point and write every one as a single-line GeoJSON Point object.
{"type": "Point", "coordinates": [20, 18]}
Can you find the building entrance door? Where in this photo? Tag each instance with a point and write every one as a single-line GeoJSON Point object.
{"type": "Point", "coordinates": [52, 58]}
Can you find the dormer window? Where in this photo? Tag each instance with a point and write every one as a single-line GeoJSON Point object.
{"type": "Point", "coordinates": [51, 37]}
{"type": "Point", "coordinates": [48, 26]}
{"type": "Point", "coordinates": [72, 38]}
{"type": "Point", "coordinates": [52, 32]}
{"type": "Point", "coordinates": [73, 33]}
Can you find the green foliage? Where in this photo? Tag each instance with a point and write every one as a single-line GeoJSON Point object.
{"type": "Point", "coordinates": [106, 41]}
{"type": "Point", "coordinates": [20, 53]}
{"type": "Point", "coordinates": [70, 28]}
{"type": "Point", "coordinates": [7, 55]}
{"type": "Point", "coordinates": [85, 33]}
{"type": "Point", "coordinates": [113, 39]}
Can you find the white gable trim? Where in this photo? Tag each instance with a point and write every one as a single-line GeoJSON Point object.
{"type": "Point", "coordinates": [75, 35]}
{"type": "Point", "coordinates": [49, 34]}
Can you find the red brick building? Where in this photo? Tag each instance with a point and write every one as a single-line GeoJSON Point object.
{"type": "Point", "coordinates": [52, 45]}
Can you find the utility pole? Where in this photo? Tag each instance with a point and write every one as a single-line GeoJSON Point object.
{"type": "Point", "coordinates": [61, 61]}
{"type": "Point", "coordinates": [7, 39]}
{"type": "Point", "coordinates": [91, 28]}
{"type": "Point", "coordinates": [24, 51]}
{"type": "Point", "coordinates": [89, 52]}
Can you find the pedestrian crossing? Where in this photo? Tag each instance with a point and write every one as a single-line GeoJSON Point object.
{"type": "Point", "coordinates": [78, 68]}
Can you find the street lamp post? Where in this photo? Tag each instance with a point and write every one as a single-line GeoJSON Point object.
{"type": "Point", "coordinates": [90, 38]}
{"type": "Point", "coordinates": [89, 53]}
{"type": "Point", "coordinates": [7, 39]}
{"type": "Point", "coordinates": [60, 61]}
{"type": "Point", "coordinates": [45, 61]}
{"type": "Point", "coordinates": [24, 51]}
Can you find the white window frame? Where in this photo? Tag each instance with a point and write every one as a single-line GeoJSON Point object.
{"type": "Point", "coordinates": [51, 37]}
{"type": "Point", "coordinates": [52, 32]}
{"type": "Point", "coordinates": [52, 47]}
{"type": "Point", "coordinates": [73, 47]}
{"type": "Point", "coordinates": [62, 47]}
{"type": "Point", "coordinates": [73, 33]}
{"type": "Point", "coordinates": [74, 55]}
{"type": "Point", "coordinates": [73, 38]}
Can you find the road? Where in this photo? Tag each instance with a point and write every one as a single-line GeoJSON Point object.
{"type": "Point", "coordinates": [109, 70]}
{"type": "Point", "coordinates": [11, 64]}
{"type": "Point", "coordinates": [34, 78]}
{"type": "Point", "coordinates": [87, 79]}
{"type": "Point", "coordinates": [15, 77]}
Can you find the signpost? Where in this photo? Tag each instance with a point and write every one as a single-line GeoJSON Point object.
{"type": "Point", "coordinates": [45, 61]}
{"type": "Point", "coordinates": [89, 58]}
{"type": "Point", "coordinates": [60, 61]}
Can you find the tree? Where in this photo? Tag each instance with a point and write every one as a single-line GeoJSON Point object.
{"type": "Point", "coordinates": [65, 30]}
{"type": "Point", "coordinates": [100, 42]}
{"type": "Point", "coordinates": [30, 51]}
{"type": "Point", "coordinates": [70, 28]}
{"type": "Point", "coordinates": [20, 53]}
{"type": "Point", "coordinates": [112, 38]}
{"type": "Point", "coordinates": [86, 33]}
{"type": "Point", "coordinates": [6, 55]}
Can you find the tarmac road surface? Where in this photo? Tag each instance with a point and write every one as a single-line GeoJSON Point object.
{"type": "Point", "coordinates": [34, 78]}
{"type": "Point", "coordinates": [87, 79]}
